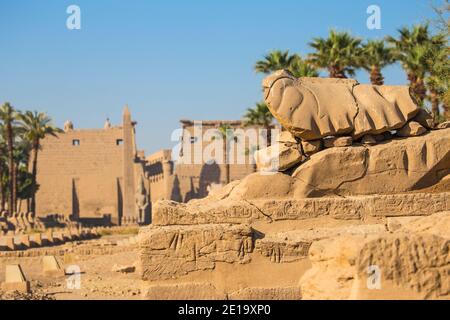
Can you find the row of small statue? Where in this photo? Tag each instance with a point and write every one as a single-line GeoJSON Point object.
{"type": "Point", "coordinates": [26, 221]}
{"type": "Point", "coordinates": [130, 220]}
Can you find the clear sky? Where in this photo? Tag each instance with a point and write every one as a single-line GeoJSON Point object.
{"type": "Point", "coordinates": [167, 60]}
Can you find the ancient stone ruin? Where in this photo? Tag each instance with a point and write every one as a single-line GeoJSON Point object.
{"type": "Point", "coordinates": [352, 201]}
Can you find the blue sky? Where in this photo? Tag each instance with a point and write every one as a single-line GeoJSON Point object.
{"type": "Point", "coordinates": [167, 60]}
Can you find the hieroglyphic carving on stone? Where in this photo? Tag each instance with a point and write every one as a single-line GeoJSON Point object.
{"type": "Point", "coordinates": [409, 204]}
{"type": "Point", "coordinates": [172, 251]}
{"type": "Point", "coordinates": [283, 251]}
{"type": "Point", "coordinates": [355, 207]}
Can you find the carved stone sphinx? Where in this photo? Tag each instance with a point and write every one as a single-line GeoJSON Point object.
{"type": "Point", "coordinates": [315, 108]}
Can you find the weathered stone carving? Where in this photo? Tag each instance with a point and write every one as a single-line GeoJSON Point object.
{"type": "Point", "coordinates": [294, 245]}
{"type": "Point", "coordinates": [400, 165]}
{"type": "Point", "coordinates": [172, 251]}
{"type": "Point", "coordinates": [314, 108]}
{"type": "Point", "coordinates": [354, 207]}
{"type": "Point", "coordinates": [413, 262]}
{"type": "Point", "coordinates": [141, 197]}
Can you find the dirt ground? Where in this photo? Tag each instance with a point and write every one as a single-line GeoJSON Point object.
{"type": "Point", "coordinates": [96, 279]}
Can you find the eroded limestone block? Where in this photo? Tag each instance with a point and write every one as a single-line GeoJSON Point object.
{"type": "Point", "coordinates": [51, 267]}
{"type": "Point", "coordinates": [396, 223]}
{"type": "Point", "coordinates": [411, 263]}
{"type": "Point", "coordinates": [283, 249]}
{"type": "Point", "coordinates": [172, 213]}
{"type": "Point", "coordinates": [331, 142]}
{"type": "Point", "coordinates": [437, 224]}
{"type": "Point", "coordinates": [399, 165]}
{"type": "Point", "coordinates": [172, 251]}
{"type": "Point", "coordinates": [274, 293]}
{"type": "Point", "coordinates": [286, 137]}
{"type": "Point", "coordinates": [313, 108]}
{"type": "Point", "coordinates": [278, 157]}
{"type": "Point", "coordinates": [333, 268]}
{"type": "Point", "coordinates": [182, 291]}
{"type": "Point", "coordinates": [411, 129]}
{"type": "Point", "coordinates": [15, 279]}
{"type": "Point", "coordinates": [294, 245]}
{"type": "Point", "coordinates": [249, 209]}
{"type": "Point", "coordinates": [407, 262]}
{"type": "Point", "coordinates": [312, 146]}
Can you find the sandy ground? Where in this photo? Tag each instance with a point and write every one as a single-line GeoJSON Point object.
{"type": "Point", "coordinates": [96, 279]}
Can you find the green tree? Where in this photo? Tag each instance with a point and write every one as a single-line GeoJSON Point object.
{"type": "Point", "coordinates": [275, 60]}
{"type": "Point", "coordinates": [437, 80]}
{"type": "Point", "coordinates": [260, 115]}
{"type": "Point", "coordinates": [375, 56]}
{"type": "Point", "coordinates": [302, 68]}
{"type": "Point", "coordinates": [338, 54]}
{"type": "Point", "coordinates": [21, 159]}
{"type": "Point", "coordinates": [36, 126]}
{"type": "Point", "coordinates": [413, 48]}
{"type": "Point", "coordinates": [8, 116]}
{"type": "Point", "coordinates": [225, 133]}
{"type": "Point", "coordinates": [3, 168]}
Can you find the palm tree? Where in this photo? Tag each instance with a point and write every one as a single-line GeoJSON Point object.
{"type": "Point", "coordinates": [418, 34]}
{"type": "Point", "coordinates": [37, 126]}
{"type": "Point", "coordinates": [302, 68]}
{"type": "Point", "coordinates": [376, 56]}
{"type": "Point", "coordinates": [260, 115]}
{"type": "Point", "coordinates": [437, 80]}
{"type": "Point", "coordinates": [275, 60]}
{"type": "Point", "coordinates": [225, 132]}
{"type": "Point", "coordinates": [21, 159]}
{"type": "Point", "coordinates": [3, 168]}
{"type": "Point", "coordinates": [413, 48]}
{"type": "Point", "coordinates": [338, 54]}
{"type": "Point", "coordinates": [8, 115]}
{"type": "Point", "coordinates": [437, 87]}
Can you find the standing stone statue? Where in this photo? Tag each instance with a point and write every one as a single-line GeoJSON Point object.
{"type": "Point", "coordinates": [141, 198]}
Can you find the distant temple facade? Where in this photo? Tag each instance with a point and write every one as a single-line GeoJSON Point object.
{"type": "Point", "coordinates": [191, 177]}
{"type": "Point", "coordinates": [97, 176]}
{"type": "Point", "coordinates": [93, 175]}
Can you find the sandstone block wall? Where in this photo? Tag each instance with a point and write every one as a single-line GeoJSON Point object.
{"type": "Point", "coordinates": [248, 211]}
{"type": "Point", "coordinates": [90, 174]}
{"type": "Point", "coordinates": [173, 251]}
{"type": "Point", "coordinates": [71, 177]}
